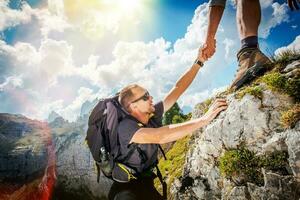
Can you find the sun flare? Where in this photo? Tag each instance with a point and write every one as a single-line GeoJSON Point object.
{"type": "Point", "coordinates": [95, 17]}
{"type": "Point", "coordinates": [129, 5]}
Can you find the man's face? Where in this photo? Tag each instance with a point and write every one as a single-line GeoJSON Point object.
{"type": "Point", "coordinates": [142, 101]}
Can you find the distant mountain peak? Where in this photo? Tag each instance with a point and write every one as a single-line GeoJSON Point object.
{"type": "Point", "coordinates": [52, 116]}
{"type": "Point", "coordinates": [87, 107]}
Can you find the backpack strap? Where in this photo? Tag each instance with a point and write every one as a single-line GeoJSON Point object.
{"type": "Point", "coordinates": [132, 147]}
{"type": "Point", "coordinates": [162, 151]}
{"type": "Point", "coordinates": [159, 146]}
{"type": "Point", "coordinates": [143, 155]}
{"type": "Point", "coordinates": [98, 172]}
{"type": "Point", "coordinates": [161, 180]}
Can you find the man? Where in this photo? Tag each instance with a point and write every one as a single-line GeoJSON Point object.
{"type": "Point", "coordinates": [144, 127]}
{"type": "Point", "coordinates": [252, 62]}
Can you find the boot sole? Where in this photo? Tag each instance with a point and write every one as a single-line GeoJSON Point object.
{"type": "Point", "coordinates": [256, 70]}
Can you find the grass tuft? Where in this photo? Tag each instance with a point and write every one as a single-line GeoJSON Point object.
{"type": "Point", "coordinates": [173, 166]}
{"type": "Point", "coordinates": [254, 90]}
{"type": "Point", "coordinates": [243, 165]}
{"type": "Point", "coordinates": [285, 57]}
{"type": "Point", "coordinates": [291, 116]}
{"type": "Point", "coordinates": [277, 82]}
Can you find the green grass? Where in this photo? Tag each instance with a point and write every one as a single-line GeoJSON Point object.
{"type": "Point", "coordinates": [284, 58]}
{"type": "Point", "coordinates": [244, 163]}
{"type": "Point", "coordinates": [289, 117]}
{"type": "Point", "coordinates": [277, 82]}
{"type": "Point", "coordinates": [254, 90]}
{"type": "Point", "coordinates": [204, 106]}
{"type": "Point", "coordinates": [172, 167]}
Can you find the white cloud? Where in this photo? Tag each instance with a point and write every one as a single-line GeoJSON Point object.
{"type": "Point", "coordinates": [50, 19]}
{"type": "Point", "coordinates": [155, 65]}
{"type": "Point", "coordinates": [294, 46]}
{"type": "Point", "coordinates": [228, 45]}
{"type": "Point", "coordinates": [97, 19]}
{"type": "Point", "coordinates": [294, 26]}
{"type": "Point", "coordinates": [51, 22]}
{"type": "Point", "coordinates": [72, 110]}
{"type": "Point", "coordinates": [10, 17]}
{"type": "Point", "coordinates": [278, 16]}
{"type": "Point", "coordinates": [265, 3]}
{"type": "Point", "coordinates": [132, 62]}
{"type": "Point", "coordinates": [195, 31]}
{"type": "Point", "coordinates": [56, 7]}
{"type": "Point", "coordinates": [26, 55]}
{"type": "Point", "coordinates": [55, 59]}
{"type": "Point", "coordinates": [11, 82]}
{"type": "Point", "coordinates": [52, 60]}
{"type": "Point", "coordinates": [192, 99]}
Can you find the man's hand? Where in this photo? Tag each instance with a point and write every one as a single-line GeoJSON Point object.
{"type": "Point", "coordinates": [209, 48]}
{"type": "Point", "coordinates": [293, 4]}
{"type": "Point", "coordinates": [218, 106]}
{"type": "Point", "coordinates": [200, 55]}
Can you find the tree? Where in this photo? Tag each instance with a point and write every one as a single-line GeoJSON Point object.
{"type": "Point", "coordinates": [175, 115]}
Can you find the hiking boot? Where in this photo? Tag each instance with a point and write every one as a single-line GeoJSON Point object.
{"type": "Point", "coordinates": [252, 63]}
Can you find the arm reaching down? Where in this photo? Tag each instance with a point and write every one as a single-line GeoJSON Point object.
{"type": "Point", "coordinates": [214, 17]}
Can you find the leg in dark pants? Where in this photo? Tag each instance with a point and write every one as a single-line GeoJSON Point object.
{"type": "Point", "coordinates": [134, 190]}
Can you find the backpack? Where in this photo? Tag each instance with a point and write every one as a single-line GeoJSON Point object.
{"type": "Point", "coordinates": [103, 142]}
{"type": "Point", "coordinates": [101, 135]}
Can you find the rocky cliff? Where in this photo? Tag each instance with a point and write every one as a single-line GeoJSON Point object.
{"type": "Point", "coordinates": [26, 148]}
{"type": "Point", "coordinates": [251, 150]}
{"type": "Point", "coordinates": [76, 175]}
{"type": "Point", "coordinates": [23, 153]}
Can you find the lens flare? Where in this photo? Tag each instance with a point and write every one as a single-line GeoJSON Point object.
{"type": "Point", "coordinates": [95, 18]}
{"type": "Point", "coordinates": [40, 188]}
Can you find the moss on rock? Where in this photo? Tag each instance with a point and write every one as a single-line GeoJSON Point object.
{"type": "Point", "coordinates": [172, 167]}
{"type": "Point", "coordinates": [291, 116]}
{"type": "Point", "coordinates": [242, 165]}
{"type": "Point", "coordinates": [284, 58]}
{"type": "Point", "coordinates": [255, 90]}
{"type": "Point", "coordinates": [277, 82]}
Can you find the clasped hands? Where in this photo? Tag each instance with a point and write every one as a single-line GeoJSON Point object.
{"type": "Point", "coordinates": [207, 50]}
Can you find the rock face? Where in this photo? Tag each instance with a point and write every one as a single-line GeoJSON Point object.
{"type": "Point", "coordinates": [23, 153]}
{"type": "Point", "coordinates": [251, 122]}
{"type": "Point", "coordinates": [76, 174]}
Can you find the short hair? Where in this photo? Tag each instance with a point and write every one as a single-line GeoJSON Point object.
{"type": "Point", "coordinates": [126, 95]}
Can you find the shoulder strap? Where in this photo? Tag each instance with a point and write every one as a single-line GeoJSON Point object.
{"type": "Point", "coordinates": [132, 147]}
{"type": "Point", "coordinates": [162, 151]}
{"type": "Point", "coordinates": [159, 146]}
{"type": "Point", "coordinates": [161, 180]}
{"type": "Point", "coordinates": [98, 172]}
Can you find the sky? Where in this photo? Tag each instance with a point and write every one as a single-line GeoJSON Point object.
{"type": "Point", "coordinates": [57, 54]}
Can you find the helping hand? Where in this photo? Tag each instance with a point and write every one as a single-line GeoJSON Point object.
{"type": "Point", "coordinates": [209, 48]}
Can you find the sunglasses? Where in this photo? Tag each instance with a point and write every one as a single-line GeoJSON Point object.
{"type": "Point", "coordinates": [145, 97]}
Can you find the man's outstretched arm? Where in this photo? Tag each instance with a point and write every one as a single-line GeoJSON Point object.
{"type": "Point", "coordinates": [174, 132]}
{"type": "Point", "coordinates": [182, 84]}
